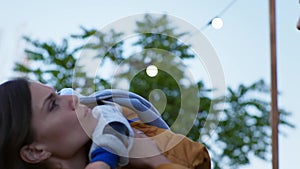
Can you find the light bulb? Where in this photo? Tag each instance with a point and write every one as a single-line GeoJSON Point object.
{"type": "Point", "coordinates": [217, 23]}
{"type": "Point", "coordinates": [151, 70]}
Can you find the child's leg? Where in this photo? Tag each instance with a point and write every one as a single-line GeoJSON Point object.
{"type": "Point", "coordinates": [97, 165]}
{"type": "Point", "coordinates": [112, 133]}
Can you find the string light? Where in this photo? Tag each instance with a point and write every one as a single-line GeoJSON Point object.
{"type": "Point", "coordinates": [217, 22]}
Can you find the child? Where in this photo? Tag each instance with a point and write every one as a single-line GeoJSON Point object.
{"type": "Point", "coordinates": [113, 137]}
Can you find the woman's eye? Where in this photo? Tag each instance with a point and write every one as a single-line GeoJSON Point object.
{"type": "Point", "coordinates": [53, 105]}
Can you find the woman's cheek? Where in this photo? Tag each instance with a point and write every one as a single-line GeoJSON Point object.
{"type": "Point", "coordinates": [87, 121]}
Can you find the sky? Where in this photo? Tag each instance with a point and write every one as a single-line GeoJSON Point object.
{"type": "Point", "coordinates": [242, 45]}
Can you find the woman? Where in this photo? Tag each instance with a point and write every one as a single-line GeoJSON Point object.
{"type": "Point", "coordinates": [42, 130]}
{"type": "Point", "coordinates": [298, 24]}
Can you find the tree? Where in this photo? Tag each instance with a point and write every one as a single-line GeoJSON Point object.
{"type": "Point", "coordinates": [50, 63]}
{"type": "Point", "coordinates": [56, 65]}
{"type": "Point", "coordinates": [244, 126]}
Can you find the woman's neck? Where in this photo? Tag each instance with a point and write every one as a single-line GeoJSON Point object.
{"type": "Point", "coordinates": [78, 161]}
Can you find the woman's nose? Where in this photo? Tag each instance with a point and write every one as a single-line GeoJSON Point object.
{"type": "Point", "coordinates": [73, 101]}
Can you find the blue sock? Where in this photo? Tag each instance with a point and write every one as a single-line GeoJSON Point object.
{"type": "Point", "coordinates": [100, 154]}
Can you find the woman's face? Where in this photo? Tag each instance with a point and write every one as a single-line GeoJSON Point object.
{"type": "Point", "coordinates": [58, 120]}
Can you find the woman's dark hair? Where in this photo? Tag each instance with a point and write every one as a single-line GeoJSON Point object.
{"type": "Point", "coordinates": [15, 122]}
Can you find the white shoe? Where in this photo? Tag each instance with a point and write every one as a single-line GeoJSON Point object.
{"type": "Point", "coordinates": [112, 132]}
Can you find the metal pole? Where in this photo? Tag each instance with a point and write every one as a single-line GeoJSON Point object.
{"type": "Point", "coordinates": [274, 108]}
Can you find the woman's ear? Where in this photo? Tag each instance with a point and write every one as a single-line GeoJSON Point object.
{"type": "Point", "coordinates": [34, 154]}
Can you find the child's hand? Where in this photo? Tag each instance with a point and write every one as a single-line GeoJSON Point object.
{"type": "Point", "coordinates": [97, 165]}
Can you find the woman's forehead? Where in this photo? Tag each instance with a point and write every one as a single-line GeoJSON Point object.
{"type": "Point", "coordinates": [39, 86]}
{"type": "Point", "coordinates": [39, 92]}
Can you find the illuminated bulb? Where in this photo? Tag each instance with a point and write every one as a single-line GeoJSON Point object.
{"type": "Point", "coordinates": [151, 70]}
{"type": "Point", "coordinates": [217, 23]}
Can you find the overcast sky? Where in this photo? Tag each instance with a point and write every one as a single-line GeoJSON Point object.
{"type": "Point", "coordinates": [242, 44]}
